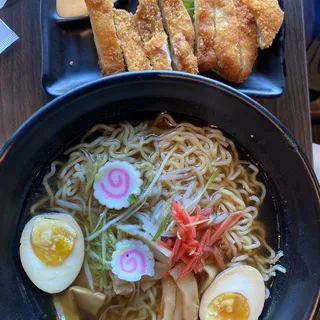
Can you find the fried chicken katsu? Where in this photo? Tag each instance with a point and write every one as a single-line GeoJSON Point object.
{"type": "Point", "coordinates": [247, 40]}
{"type": "Point", "coordinates": [269, 18]}
{"type": "Point", "coordinates": [105, 37]}
{"type": "Point", "coordinates": [149, 23]}
{"type": "Point", "coordinates": [204, 24]}
{"type": "Point", "coordinates": [226, 42]}
{"type": "Point", "coordinates": [179, 28]}
{"type": "Point", "coordinates": [131, 43]}
{"type": "Point", "coordinates": [224, 37]}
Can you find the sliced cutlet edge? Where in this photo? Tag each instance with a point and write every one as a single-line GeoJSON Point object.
{"type": "Point", "coordinates": [227, 40]}
{"type": "Point", "coordinates": [247, 40]}
{"type": "Point", "coordinates": [185, 59]}
{"type": "Point", "coordinates": [105, 37]}
{"type": "Point", "coordinates": [131, 43]}
{"type": "Point", "coordinates": [269, 18]}
{"type": "Point", "coordinates": [204, 17]}
{"type": "Point", "coordinates": [149, 23]}
{"type": "Point", "coordinates": [179, 28]}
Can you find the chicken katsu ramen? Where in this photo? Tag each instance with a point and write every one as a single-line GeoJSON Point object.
{"type": "Point", "coordinates": [152, 220]}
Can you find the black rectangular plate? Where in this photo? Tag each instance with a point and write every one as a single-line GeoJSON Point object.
{"type": "Point", "coordinates": [69, 57]}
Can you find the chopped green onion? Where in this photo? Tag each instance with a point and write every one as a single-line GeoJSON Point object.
{"type": "Point", "coordinates": [111, 239]}
{"type": "Point", "coordinates": [164, 222]}
{"type": "Point", "coordinates": [189, 5]}
{"type": "Point", "coordinates": [93, 167]}
{"type": "Point", "coordinates": [88, 274]}
{"type": "Point", "coordinates": [103, 245]}
{"type": "Point", "coordinates": [132, 199]}
{"type": "Point", "coordinates": [212, 178]}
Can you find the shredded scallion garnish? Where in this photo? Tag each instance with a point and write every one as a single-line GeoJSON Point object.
{"type": "Point", "coordinates": [164, 222]}
{"type": "Point", "coordinates": [132, 199]}
{"type": "Point", "coordinates": [93, 167]}
{"type": "Point", "coordinates": [88, 274]}
{"type": "Point", "coordinates": [212, 178]}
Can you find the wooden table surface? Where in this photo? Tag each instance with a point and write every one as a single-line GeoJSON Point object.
{"type": "Point", "coordinates": [21, 93]}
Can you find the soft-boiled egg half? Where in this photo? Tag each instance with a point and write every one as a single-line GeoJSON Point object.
{"type": "Point", "coordinates": [52, 251]}
{"type": "Point", "coordinates": [238, 293]}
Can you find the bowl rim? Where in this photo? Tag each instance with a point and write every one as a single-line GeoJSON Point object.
{"type": "Point", "coordinates": [144, 75]}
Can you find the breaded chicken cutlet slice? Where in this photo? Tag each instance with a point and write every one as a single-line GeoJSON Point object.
{"type": "Point", "coordinates": [105, 37]}
{"type": "Point", "coordinates": [131, 43]}
{"type": "Point", "coordinates": [269, 18]}
{"type": "Point", "coordinates": [226, 42]}
{"type": "Point", "coordinates": [179, 28]}
{"type": "Point", "coordinates": [247, 40]}
{"type": "Point", "coordinates": [204, 24]}
{"type": "Point", "coordinates": [149, 23]}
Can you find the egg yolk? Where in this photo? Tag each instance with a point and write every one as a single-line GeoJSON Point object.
{"type": "Point", "coordinates": [52, 240]}
{"type": "Point", "coordinates": [228, 306]}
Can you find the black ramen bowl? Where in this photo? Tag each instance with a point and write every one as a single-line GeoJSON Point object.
{"type": "Point", "coordinates": [291, 212]}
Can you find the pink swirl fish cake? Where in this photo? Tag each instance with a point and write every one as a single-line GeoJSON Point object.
{"type": "Point", "coordinates": [115, 182]}
{"type": "Point", "coordinates": [131, 260]}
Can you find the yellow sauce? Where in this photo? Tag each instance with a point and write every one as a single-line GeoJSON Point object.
{"type": "Point", "coordinates": [71, 8]}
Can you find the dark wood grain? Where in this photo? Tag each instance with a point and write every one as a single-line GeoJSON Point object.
{"type": "Point", "coordinates": [21, 93]}
{"type": "Point", "coordinates": [20, 88]}
{"type": "Point", "coordinates": [293, 107]}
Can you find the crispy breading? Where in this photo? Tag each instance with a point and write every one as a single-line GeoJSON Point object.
{"type": "Point", "coordinates": [269, 18]}
{"type": "Point", "coordinates": [179, 28]}
{"type": "Point", "coordinates": [131, 43]}
{"type": "Point", "coordinates": [177, 19]}
{"type": "Point", "coordinates": [105, 37]}
{"type": "Point", "coordinates": [184, 57]}
{"type": "Point", "coordinates": [148, 19]}
{"type": "Point", "coordinates": [247, 40]}
{"type": "Point", "coordinates": [157, 50]}
{"type": "Point", "coordinates": [227, 40]}
{"type": "Point", "coordinates": [150, 27]}
{"type": "Point", "coordinates": [204, 17]}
